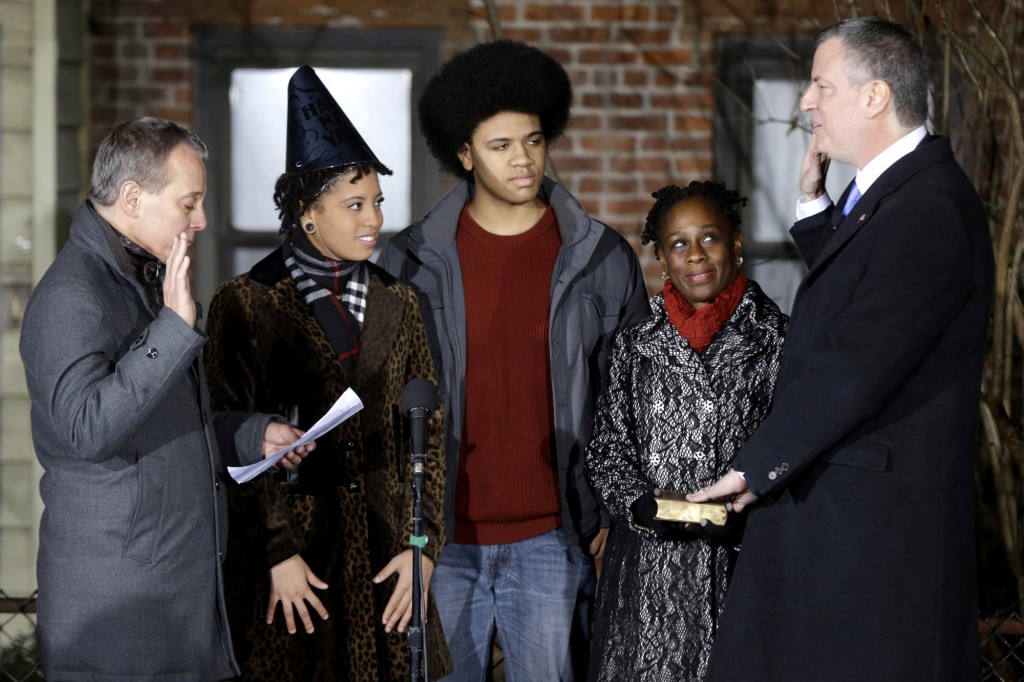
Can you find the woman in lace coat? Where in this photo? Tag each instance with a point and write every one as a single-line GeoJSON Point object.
{"type": "Point", "coordinates": [686, 387]}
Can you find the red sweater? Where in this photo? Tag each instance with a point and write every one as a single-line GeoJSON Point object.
{"type": "Point", "coordinates": [507, 486]}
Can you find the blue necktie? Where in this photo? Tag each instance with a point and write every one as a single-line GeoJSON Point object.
{"type": "Point", "coordinates": [851, 199]}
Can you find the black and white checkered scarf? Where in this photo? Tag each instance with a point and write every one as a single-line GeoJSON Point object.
{"type": "Point", "coordinates": [334, 290]}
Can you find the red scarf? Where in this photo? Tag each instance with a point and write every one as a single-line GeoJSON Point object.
{"type": "Point", "coordinates": [700, 326]}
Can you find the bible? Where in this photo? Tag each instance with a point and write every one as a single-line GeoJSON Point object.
{"type": "Point", "coordinates": [673, 506]}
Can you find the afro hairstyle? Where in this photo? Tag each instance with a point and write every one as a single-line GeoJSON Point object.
{"type": "Point", "coordinates": [488, 79]}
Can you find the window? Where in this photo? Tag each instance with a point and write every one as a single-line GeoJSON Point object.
{"type": "Point", "coordinates": [376, 76]}
{"type": "Point", "coordinates": [760, 141]}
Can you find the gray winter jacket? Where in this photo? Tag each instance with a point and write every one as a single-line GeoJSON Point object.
{"type": "Point", "coordinates": [596, 288]}
{"type": "Point", "coordinates": [134, 525]}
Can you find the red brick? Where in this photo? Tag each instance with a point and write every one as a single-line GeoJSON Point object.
{"type": "Point", "coordinates": [643, 164]}
{"type": "Point", "coordinates": [553, 13]}
{"type": "Point", "coordinates": [607, 143]}
{"type": "Point", "coordinates": [608, 56]}
{"type": "Point", "coordinates": [620, 100]}
{"type": "Point", "coordinates": [602, 184]}
{"type": "Point", "coordinates": [635, 77]}
{"type": "Point", "coordinates": [574, 163]}
{"type": "Point", "coordinates": [606, 77]}
{"type": "Point", "coordinates": [182, 115]}
{"type": "Point", "coordinates": [615, 13]}
{"type": "Point", "coordinates": [578, 77]}
{"type": "Point", "coordinates": [658, 36]}
{"type": "Point", "coordinates": [675, 57]}
{"type": "Point", "coordinates": [664, 78]}
{"type": "Point", "coordinates": [133, 51]}
{"type": "Point", "coordinates": [584, 122]}
{"type": "Point", "coordinates": [169, 74]}
{"type": "Point", "coordinates": [580, 34]}
{"type": "Point", "coordinates": [637, 207]}
{"type": "Point", "coordinates": [703, 144]}
{"type": "Point", "coordinates": [165, 29]}
{"type": "Point", "coordinates": [527, 35]}
{"type": "Point", "coordinates": [700, 166]}
{"type": "Point", "coordinates": [170, 51]}
{"type": "Point", "coordinates": [696, 99]}
{"type": "Point", "coordinates": [127, 92]}
{"type": "Point", "coordinates": [666, 14]}
{"type": "Point", "coordinates": [649, 124]}
{"type": "Point", "coordinates": [692, 124]}
{"type": "Point", "coordinates": [561, 55]}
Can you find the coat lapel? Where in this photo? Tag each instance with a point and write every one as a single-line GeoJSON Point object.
{"type": "Point", "coordinates": [843, 229]}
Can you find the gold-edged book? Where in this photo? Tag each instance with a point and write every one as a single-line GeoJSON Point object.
{"type": "Point", "coordinates": [674, 507]}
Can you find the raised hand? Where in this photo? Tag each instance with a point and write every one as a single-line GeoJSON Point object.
{"type": "Point", "coordinates": [177, 287]}
{"type": "Point", "coordinates": [813, 170]}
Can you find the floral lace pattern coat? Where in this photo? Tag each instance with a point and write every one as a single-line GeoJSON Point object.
{"type": "Point", "coordinates": [672, 419]}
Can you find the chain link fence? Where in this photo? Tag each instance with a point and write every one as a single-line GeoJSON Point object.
{"type": "Point", "coordinates": [19, 657]}
{"type": "Point", "coordinates": [1002, 643]}
{"type": "Point", "coordinates": [1002, 648]}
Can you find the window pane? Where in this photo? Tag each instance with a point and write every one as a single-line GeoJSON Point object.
{"type": "Point", "coordinates": [377, 101]}
{"type": "Point", "coordinates": [778, 152]}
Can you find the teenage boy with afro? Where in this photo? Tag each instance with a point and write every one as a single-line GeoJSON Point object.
{"type": "Point", "coordinates": [525, 292]}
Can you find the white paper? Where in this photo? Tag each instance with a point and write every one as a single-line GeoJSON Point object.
{"type": "Point", "coordinates": [343, 408]}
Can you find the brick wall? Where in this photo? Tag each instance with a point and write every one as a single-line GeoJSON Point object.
{"type": "Point", "coordinates": [642, 71]}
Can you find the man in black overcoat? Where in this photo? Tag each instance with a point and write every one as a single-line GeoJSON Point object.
{"type": "Point", "coordinates": [858, 559]}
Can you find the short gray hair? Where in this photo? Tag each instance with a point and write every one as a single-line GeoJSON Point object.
{"type": "Point", "coordinates": [877, 48]}
{"type": "Point", "coordinates": [138, 150]}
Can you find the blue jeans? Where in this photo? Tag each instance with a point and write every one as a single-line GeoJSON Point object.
{"type": "Point", "coordinates": [536, 592]}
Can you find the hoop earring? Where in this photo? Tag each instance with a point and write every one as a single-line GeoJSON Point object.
{"type": "Point", "coordinates": [739, 261]}
{"type": "Point", "coordinates": [309, 228]}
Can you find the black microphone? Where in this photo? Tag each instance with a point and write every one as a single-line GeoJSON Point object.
{"type": "Point", "coordinates": [419, 400]}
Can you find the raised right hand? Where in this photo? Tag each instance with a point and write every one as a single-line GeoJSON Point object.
{"type": "Point", "coordinates": [813, 170]}
{"type": "Point", "coordinates": [177, 288]}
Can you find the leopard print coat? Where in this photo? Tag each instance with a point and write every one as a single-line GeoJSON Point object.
{"type": "Point", "coordinates": [672, 419]}
{"type": "Point", "coordinates": [349, 510]}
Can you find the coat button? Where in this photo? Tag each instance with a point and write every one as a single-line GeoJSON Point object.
{"type": "Point", "coordinates": [351, 445]}
{"type": "Point", "coordinates": [216, 485]}
{"type": "Point", "coordinates": [353, 486]}
{"type": "Point", "coordinates": [152, 353]}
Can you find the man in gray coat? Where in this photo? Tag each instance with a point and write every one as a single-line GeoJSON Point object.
{"type": "Point", "coordinates": [133, 531]}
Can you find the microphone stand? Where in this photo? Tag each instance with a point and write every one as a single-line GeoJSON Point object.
{"type": "Point", "coordinates": [418, 542]}
{"type": "Point", "coordinates": [419, 400]}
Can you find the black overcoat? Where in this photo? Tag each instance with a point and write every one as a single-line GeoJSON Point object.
{"type": "Point", "coordinates": [858, 564]}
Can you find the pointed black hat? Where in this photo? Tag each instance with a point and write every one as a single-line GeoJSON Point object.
{"type": "Point", "coordinates": [319, 133]}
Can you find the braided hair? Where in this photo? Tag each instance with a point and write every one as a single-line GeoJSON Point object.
{"type": "Point", "coordinates": [725, 201]}
{"type": "Point", "coordinates": [294, 193]}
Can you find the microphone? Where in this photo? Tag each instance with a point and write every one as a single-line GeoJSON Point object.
{"type": "Point", "coordinates": [419, 400]}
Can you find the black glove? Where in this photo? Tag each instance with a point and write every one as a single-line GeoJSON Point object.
{"type": "Point", "coordinates": [644, 510]}
{"type": "Point", "coordinates": [729, 535]}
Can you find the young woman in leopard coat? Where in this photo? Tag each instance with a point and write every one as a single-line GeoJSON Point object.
{"type": "Point", "coordinates": [319, 568]}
